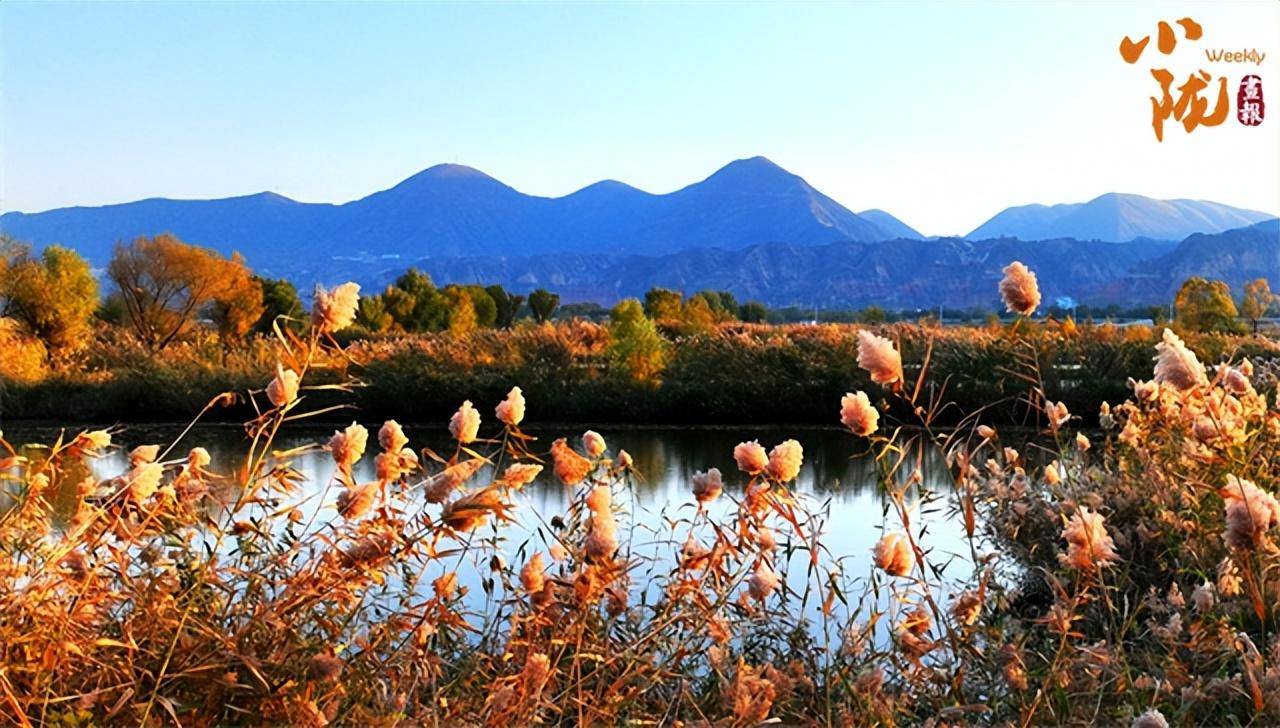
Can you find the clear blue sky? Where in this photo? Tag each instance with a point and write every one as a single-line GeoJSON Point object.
{"type": "Point", "coordinates": [940, 113]}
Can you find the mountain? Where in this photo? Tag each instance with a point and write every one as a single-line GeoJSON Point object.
{"type": "Point", "coordinates": [1116, 217]}
{"type": "Point", "coordinates": [752, 228]}
{"type": "Point", "coordinates": [452, 210]}
{"type": "Point", "coordinates": [1235, 256]}
{"type": "Point", "coordinates": [252, 221]}
{"type": "Point", "coordinates": [897, 274]}
{"type": "Point", "coordinates": [892, 226]}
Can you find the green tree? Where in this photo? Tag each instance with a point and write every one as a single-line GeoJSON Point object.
{"type": "Point", "coordinates": [508, 305]}
{"type": "Point", "coordinates": [371, 313]}
{"type": "Point", "coordinates": [279, 299]}
{"type": "Point", "coordinates": [729, 304]}
{"type": "Point", "coordinates": [1257, 300]}
{"type": "Point", "coordinates": [113, 311]}
{"type": "Point", "coordinates": [753, 312]}
{"type": "Point", "coordinates": [873, 315]}
{"type": "Point", "coordinates": [718, 304]}
{"type": "Point", "coordinates": [1159, 315]}
{"type": "Point", "coordinates": [416, 304]}
{"type": "Point", "coordinates": [543, 304]}
{"type": "Point", "coordinates": [400, 307]}
{"type": "Point", "coordinates": [54, 295]}
{"type": "Point", "coordinates": [486, 308]}
{"type": "Point", "coordinates": [635, 344]}
{"type": "Point", "coordinates": [1204, 305]}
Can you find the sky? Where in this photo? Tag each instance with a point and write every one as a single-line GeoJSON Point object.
{"type": "Point", "coordinates": [940, 113]}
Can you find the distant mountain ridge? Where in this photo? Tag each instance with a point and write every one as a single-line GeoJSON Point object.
{"type": "Point", "coordinates": [1116, 217]}
{"type": "Point", "coordinates": [895, 274]}
{"type": "Point", "coordinates": [451, 210]}
{"type": "Point", "coordinates": [891, 225]}
{"type": "Point", "coordinates": [752, 227]}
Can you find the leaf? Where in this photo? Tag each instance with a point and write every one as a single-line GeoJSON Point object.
{"type": "Point", "coordinates": [108, 642]}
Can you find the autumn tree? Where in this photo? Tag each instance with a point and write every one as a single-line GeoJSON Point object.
{"type": "Point", "coordinates": [9, 250]}
{"type": "Point", "coordinates": [661, 304]}
{"type": "Point", "coordinates": [543, 304]}
{"type": "Point", "coordinates": [53, 295]}
{"type": "Point", "coordinates": [167, 285]}
{"type": "Point", "coordinates": [698, 317]}
{"type": "Point", "coordinates": [237, 309]}
{"type": "Point", "coordinates": [723, 304]}
{"type": "Point", "coordinates": [635, 344]}
{"type": "Point", "coordinates": [486, 309]}
{"type": "Point", "coordinates": [1257, 300]}
{"type": "Point", "coordinates": [462, 311]}
{"type": "Point", "coordinates": [1204, 305]}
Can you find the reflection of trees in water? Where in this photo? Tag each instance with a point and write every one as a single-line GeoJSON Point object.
{"type": "Point", "coordinates": [665, 460]}
{"type": "Point", "coordinates": [833, 467]}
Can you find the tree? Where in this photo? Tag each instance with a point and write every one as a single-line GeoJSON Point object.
{"type": "Point", "coordinates": [873, 315]}
{"type": "Point", "coordinates": [718, 302]}
{"type": "Point", "coordinates": [635, 343]}
{"type": "Point", "coordinates": [112, 311]}
{"type": "Point", "coordinates": [729, 304]}
{"type": "Point", "coordinates": [508, 305]}
{"type": "Point", "coordinates": [9, 249]}
{"type": "Point", "coordinates": [1204, 305]}
{"type": "Point", "coordinates": [753, 312]}
{"type": "Point", "coordinates": [486, 308]}
{"type": "Point", "coordinates": [237, 309]}
{"type": "Point", "coordinates": [462, 312]}
{"type": "Point", "coordinates": [53, 296]}
{"type": "Point", "coordinates": [662, 304]}
{"type": "Point", "coordinates": [698, 316]}
{"type": "Point", "coordinates": [1159, 315]}
{"type": "Point", "coordinates": [166, 285]}
{"type": "Point", "coordinates": [543, 304]}
{"type": "Point", "coordinates": [1257, 300]}
{"type": "Point", "coordinates": [416, 304]}
{"type": "Point", "coordinates": [371, 313]}
{"type": "Point", "coordinates": [279, 298]}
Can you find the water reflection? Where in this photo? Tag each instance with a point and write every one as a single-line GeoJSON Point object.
{"type": "Point", "coordinates": [835, 478]}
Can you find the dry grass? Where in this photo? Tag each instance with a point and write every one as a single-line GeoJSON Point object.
{"type": "Point", "coordinates": [1107, 575]}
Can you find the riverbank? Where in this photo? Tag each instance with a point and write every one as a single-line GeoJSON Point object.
{"type": "Point", "coordinates": [751, 375]}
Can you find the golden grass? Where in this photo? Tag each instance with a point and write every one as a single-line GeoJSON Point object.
{"type": "Point", "coordinates": [1128, 574]}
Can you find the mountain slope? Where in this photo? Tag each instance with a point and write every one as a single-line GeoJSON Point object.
{"type": "Point", "coordinates": [1117, 217]}
{"type": "Point", "coordinates": [247, 224]}
{"type": "Point", "coordinates": [1235, 256]}
{"type": "Point", "coordinates": [900, 274]}
{"type": "Point", "coordinates": [892, 226]}
{"type": "Point", "coordinates": [453, 210]}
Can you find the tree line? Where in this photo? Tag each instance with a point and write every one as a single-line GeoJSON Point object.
{"type": "Point", "coordinates": [162, 289]}
{"type": "Point", "coordinates": [414, 304]}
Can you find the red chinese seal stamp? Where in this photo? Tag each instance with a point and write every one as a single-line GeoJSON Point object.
{"type": "Point", "coordinates": [1250, 108]}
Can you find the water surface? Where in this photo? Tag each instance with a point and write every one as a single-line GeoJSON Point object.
{"type": "Point", "coordinates": [837, 478]}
